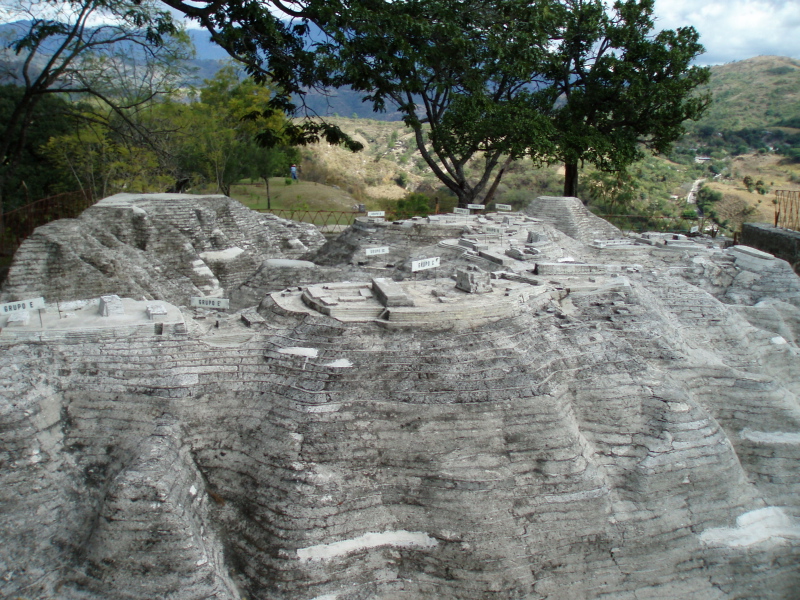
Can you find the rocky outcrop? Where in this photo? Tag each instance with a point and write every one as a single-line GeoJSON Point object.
{"type": "Point", "coordinates": [621, 434]}
{"type": "Point", "coordinates": [162, 246]}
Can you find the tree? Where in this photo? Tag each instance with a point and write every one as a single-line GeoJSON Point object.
{"type": "Point", "coordinates": [225, 131]}
{"type": "Point", "coordinates": [203, 141]}
{"type": "Point", "coordinates": [34, 177]}
{"type": "Point", "coordinates": [272, 40]}
{"type": "Point", "coordinates": [618, 87]}
{"type": "Point", "coordinates": [55, 50]}
{"type": "Point", "coordinates": [463, 74]}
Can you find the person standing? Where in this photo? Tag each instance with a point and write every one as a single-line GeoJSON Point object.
{"type": "Point", "coordinates": [293, 171]}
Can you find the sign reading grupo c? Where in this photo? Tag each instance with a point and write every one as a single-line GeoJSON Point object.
{"type": "Point", "coordinates": [216, 303]}
{"type": "Point", "coordinates": [425, 263]}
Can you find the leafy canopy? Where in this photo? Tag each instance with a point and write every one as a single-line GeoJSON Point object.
{"type": "Point", "coordinates": [617, 87]}
{"type": "Point", "coordinates": [463, 74]}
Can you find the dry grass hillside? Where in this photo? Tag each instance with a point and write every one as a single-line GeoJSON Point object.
{"type": "Point", "coordinates": [738, 204]}
{"type": "Point", "coordinates": [757, 92]}
{"type": "Point", "coordinates": [389, 166]}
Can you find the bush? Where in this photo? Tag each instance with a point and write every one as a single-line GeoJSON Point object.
{"type": "Point", "coordinates": [287, 181]}
{"type": "Point", "coordinates": [413, 205]}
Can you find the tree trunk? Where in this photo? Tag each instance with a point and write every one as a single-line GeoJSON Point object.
{"type": "Point", "coordinates": [498, 177]}
{"type": "Point", "coordinates": [571, 179]}
{"type": "Point", "coordinates": [269, 200]}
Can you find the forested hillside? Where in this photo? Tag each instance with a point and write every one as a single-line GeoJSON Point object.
{"type": "Point", "coordinates": [193, 137]}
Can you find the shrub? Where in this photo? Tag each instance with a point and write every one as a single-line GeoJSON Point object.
{"type": "Point", "coordinates": [413, 205]}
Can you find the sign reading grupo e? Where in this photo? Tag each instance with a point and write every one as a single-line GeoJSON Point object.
{"type": "Point", "coordinates": [218, 303]}
{"type": "Point", "coordinates": [32, 304]}
{"type": "Point", "coordinates": [425, 263]}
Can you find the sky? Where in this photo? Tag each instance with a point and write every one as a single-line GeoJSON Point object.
{"type": "Point", "coordinates": [733, 30]}
{"type": "Point", "coordinates": [730, 30]}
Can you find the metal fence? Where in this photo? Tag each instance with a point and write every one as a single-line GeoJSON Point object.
{"type": "Point", "coordinates": [787, 209]}
{"type": "Point", "coordinates": [640, 223]}
{"type": "Point", "coordinates": [326, 220]}
{"type": "Point", "coordinates": [18, 224]}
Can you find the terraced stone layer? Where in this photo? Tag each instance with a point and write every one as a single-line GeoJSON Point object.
{"type": "Point", "coordinates": [162, 246]}
{"type": "Point", "coordinates": [603, 448]}
{"type": "Point", "coordinates": [630, 433]}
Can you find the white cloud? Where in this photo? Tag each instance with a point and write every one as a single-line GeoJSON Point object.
{"type": "Point", "coordinates": [737, 29]}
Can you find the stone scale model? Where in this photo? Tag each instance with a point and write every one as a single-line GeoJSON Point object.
{"type": "Point", "coordinates": [557, 411]}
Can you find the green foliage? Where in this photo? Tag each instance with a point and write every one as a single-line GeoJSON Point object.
{"type": "Point", "coordinates": [206, 142]}
{"type": "Point", "coordinates": [35, 175]}
{"type": "Point", "coordinates": [116, 68]}
{"type": "Point", "coordinates": [621, 88]}
{"type": "Point", "coordinates": [458, 72]}
{"type": "Point", "coordinates": [413, 205]}
{"type": "Point", "coordinates": [613, 192]}
{"type": "Point", "coordinates": [706, 198]}
{"type": "Point", "coordinates": [287, 181]}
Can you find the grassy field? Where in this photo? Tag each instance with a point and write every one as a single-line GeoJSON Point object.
{"type": "Point", "coordinates": [299, 195]}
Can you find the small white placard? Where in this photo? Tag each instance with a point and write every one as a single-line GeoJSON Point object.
{"type": "Point", "coordinates": [476, 206]}
{"type": "Point", "coordinates": [694, 229]}
{"type": "Point", "coordinates": [502, 206]}
{"type": "Point", "coordinates": [32, 304]}
{"type": "Point", "coordinates": [425, 263]}
{"type": "Point", "coordinates": [461, 211]}
{"type": "Point", "coordinates": [489, 229]}
{"type": "Point", "coordinates": [376, 213]}
{"type": "Point", "coordinates": [211, 302]}
{"type": "Point", "coordinates": [376, 251]}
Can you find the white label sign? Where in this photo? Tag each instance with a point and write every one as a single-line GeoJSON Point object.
{"type": "Point", "coordinates": [425, 263]}
{"type": "Point", "coordinates": [489, 229]}
{"type": "Point", "coordinates": [376, 251]}
{"type": "Point", "coordinates": [461, 211]}
{"type": "Point", "coordinates": [211, 302]}
{"type": "Point", "coordinates": [376, 213]}
{"type": "Point", "coordinates": [476, 206]}
{"type": "Point", "coordinates": [32, 304]}
{"type": "Point", "coordinates": [502, 206]}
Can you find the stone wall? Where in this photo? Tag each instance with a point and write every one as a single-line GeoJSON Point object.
{"type": "Point", "coordinates": [783, 243]}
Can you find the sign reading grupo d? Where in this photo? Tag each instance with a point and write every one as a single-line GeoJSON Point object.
{"type": "Point", "coordinates": [32, 304]}
{"type": "Point", "coordinates": [217, 303]}
{"type": "Point", "coordinates": [425, 263]}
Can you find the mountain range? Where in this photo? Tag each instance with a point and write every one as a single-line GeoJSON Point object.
{"type": "Point", "coordinates": [759, 92]}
